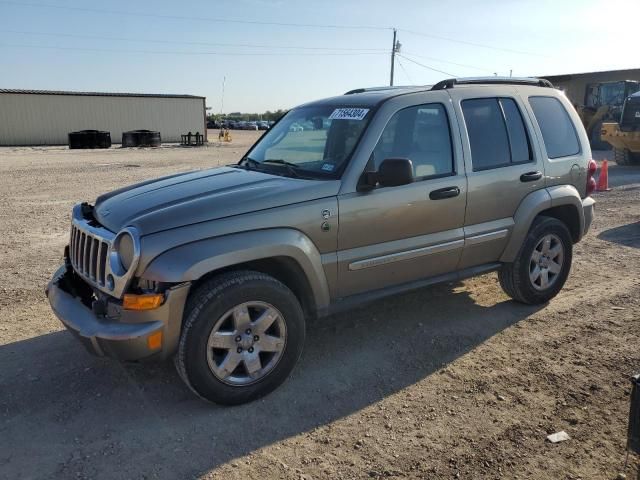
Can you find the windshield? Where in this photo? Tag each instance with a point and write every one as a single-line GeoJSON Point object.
{"type": "Point", "coordinates": [312, 142]}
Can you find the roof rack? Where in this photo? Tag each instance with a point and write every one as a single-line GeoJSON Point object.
{"type": "Point", "coordinates": [382, 89]}
{"type": "Point", "coordinates": [451, 82]}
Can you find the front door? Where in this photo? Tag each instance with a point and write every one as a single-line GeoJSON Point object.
{"type": "Point", "coordinates": [395, 235]}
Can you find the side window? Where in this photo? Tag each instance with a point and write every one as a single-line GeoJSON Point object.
{"type": "Point", "coordinates": [518, 139]}
{"type": "Point", "coordinates": [497, 134]}
{"type": "Point", "coordinates": [558, 132]}
{"type": "Point", "coordinates": [420, 133]}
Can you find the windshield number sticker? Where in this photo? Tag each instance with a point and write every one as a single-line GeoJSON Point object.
{"type": "Point", "coordinates": [328, 167]}
{"type": "Point", "coordinates": [349, 114]}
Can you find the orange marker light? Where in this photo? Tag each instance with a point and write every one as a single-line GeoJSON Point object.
{"type": "Point", "coordinates": [142, 302]}
{"type": "Point", "coordinates": [154, 341]}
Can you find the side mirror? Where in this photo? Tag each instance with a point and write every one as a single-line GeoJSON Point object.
{"type": "Point", "coordinates": [394, 172]}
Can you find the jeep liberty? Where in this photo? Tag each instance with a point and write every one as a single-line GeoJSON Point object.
{"type": "Point", "coordinates": [343, 201]}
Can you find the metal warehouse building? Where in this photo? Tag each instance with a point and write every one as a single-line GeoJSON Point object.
{"type": "Point", "coordinates": [38, 117]}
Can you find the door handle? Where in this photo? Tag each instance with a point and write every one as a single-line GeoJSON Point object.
{"type": "Point", "coordinates": [530, 176]}
{"type": "Point", "coordinates": [442, 193]}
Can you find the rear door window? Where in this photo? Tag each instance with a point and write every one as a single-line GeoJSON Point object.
{"type": "Point", "coordinates": [559, 134]}
{"type": "Point", "coordinates": [496, 131]}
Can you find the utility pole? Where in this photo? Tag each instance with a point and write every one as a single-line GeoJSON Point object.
{"type": "Point", "coordinates": [224, 80]}
{"type": "Point", "coordinates": [393, 56]}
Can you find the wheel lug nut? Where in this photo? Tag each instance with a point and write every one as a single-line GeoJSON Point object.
{"type": "Point", "coordinates": [239, 349]}
{"type": "Point", "coordinates": [238, 338]}
{"type": "Point", "coordinates": [256, 338]}
{"type": "Point", "coordinates": [250, 349]}
{"type": "Point", "coordinates": [248, 332]}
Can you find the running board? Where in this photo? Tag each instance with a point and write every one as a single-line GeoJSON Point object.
{"type": "Point", "coordinates": [352, 301]}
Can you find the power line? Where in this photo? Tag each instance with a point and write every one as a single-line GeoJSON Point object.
{"type": "Point", "coordinates": [474, 44]}
{"type": "Point", "coordinates": [200, 19]}
{"type": "Point", "coordinates": [450, 63]}
{"type": "Point", "coordinates": [172, 42]}
{"type": "Point", "coordinates": [167, 52]}
{"type": "Point", "coordinates": [426, 66]}
{"type": "Point", "coordinates": [405, 71]}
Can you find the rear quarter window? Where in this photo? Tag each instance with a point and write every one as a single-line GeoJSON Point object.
{"type": "Point", "coordinates": [558, 133]}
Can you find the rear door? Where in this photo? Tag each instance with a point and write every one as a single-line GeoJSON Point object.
{"type": "Point", "coordinates": [502, 167]}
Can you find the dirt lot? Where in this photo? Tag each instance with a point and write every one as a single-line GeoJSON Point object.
{"type": "Point", "coordinates": [451, 382]}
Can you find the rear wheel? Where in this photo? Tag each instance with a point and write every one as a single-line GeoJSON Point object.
{"type": "Point", "coordinates": [542, 265]}
{"type": "Point", "coordinates": [243, 334]}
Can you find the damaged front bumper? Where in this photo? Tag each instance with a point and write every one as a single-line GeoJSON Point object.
{"type": "Point", "coordinates": [118, 333]}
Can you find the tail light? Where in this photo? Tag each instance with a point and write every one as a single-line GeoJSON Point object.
{"type": "Point", "coordinates": [591, 171]}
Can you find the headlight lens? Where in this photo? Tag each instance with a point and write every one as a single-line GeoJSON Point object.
{"type": "Point", "coordinates": [122, 253]}
{"type": "Point", "coordinates": [125, 250]}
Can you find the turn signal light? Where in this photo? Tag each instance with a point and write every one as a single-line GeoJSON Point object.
{"type": "Point", "coordinates": [142, 302]}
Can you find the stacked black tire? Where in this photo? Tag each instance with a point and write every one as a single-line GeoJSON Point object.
{"type": "Point", "coordinates": [141, 138]}
{"type": "Point", "coordinates": [90, 139]}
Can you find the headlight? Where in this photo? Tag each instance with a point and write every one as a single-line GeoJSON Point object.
{"type": "Point", "coordinates": [123, 251]}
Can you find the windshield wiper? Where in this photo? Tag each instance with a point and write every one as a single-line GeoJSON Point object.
{"type": "Point", "coordinates": [292, 168]}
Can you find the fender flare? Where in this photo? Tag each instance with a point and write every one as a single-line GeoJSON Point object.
{"type": "Point", "coordinates": [534, 204]}
{"type": "Point", "coordinates": [191, 261]}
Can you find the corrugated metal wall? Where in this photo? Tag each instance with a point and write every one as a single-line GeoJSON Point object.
{"type": "Point", "coordinates": [45, 119]}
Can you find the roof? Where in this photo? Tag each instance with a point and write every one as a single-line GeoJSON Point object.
{"type": "Point", "coordinates": [93, 94]}
{"type": "Point", "coordinates": [373, 96]}
{"type": "Point", "coordinates": [367, 98]}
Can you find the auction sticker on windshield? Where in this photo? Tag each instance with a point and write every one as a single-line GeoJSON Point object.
{"type": "Point", "coordinates": [349, 114]}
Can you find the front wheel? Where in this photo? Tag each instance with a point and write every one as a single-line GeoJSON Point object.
{"type": "Point", "coordinates": [243, 333]}
{"type": "Point", "coordinates": [542, 265]}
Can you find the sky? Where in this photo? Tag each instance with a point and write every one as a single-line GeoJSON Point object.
{"type": "Point", "coordinates": [280, 53]}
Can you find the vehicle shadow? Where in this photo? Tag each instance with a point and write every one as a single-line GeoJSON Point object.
{"type": "Point", "coordinates": [67, 414]}
{"type": "Point", "coordinates": [627, 235]}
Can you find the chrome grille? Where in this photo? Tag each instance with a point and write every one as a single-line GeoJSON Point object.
{"type": "Point", "coordinates": [91, 255]}
{"type": "Point", "coordinates": [88, 255]}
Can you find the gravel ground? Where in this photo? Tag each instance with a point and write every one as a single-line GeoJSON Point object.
{"type": "Point", "coordinates": [455, 381]}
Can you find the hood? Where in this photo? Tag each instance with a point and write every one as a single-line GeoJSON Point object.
{"type": "Point", "coordinates": [200, 196]}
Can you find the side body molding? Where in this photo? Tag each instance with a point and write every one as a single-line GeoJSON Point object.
{"type": "Point", "coordinates": [191, 261]}
{"type": "Point", "coordinates": [532, 205]}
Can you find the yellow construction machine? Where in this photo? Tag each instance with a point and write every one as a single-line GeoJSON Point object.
{"type": "Point", "coordinates": [603, 103]}
{"type": "Point", "coordinates": [624, 136]}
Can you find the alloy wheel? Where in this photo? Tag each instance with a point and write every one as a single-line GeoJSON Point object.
{"type": "Point", "coordinates": [546, 262]}
{"type": "Point", "coordinates": [246, 343]}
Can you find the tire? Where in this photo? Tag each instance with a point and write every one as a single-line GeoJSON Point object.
{"type": "Point", "coordinates": [89, 139]}
{"type": "Point", "coordinates": [622, 156]}
{"type": "Point", "coordinates": [212, 316]}
{"type": "Point", "coordinates": [516, 278]}
{"type": "Point", "coordinates": [141, 138]}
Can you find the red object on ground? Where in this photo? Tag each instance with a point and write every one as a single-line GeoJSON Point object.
{"type": "Point", "coordinates": [603, 178]}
